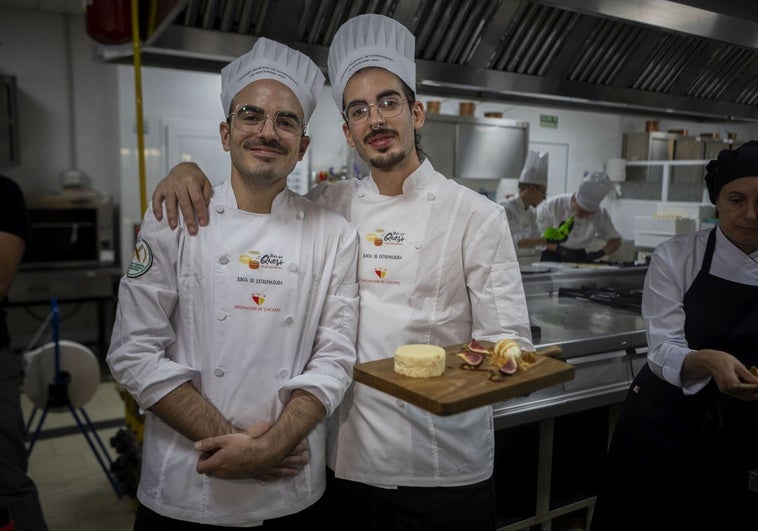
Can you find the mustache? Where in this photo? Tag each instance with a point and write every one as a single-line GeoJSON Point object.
{"type": "Point", "coordinates": [273, 144]}
{"type": "Point", "coordinates": [377, 132]}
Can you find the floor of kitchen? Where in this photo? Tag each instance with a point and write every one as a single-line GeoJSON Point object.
{"type": "Point", "coordinates": [75, 492]}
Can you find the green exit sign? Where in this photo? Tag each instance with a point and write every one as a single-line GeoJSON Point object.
{"type": "Point", "coordinates": [547, 120]}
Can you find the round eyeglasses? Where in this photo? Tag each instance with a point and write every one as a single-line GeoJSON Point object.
{"type": "Point", "coordinates": [252, 119]}
{"type": "Point", "coordinates": [388, 107]}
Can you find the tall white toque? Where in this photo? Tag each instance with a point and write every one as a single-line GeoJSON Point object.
{"type": "Point", "coordinates": [592, 190]}
{"type": "Point", "coordinates": [371, 41]}
{"type": "Point", "coordinates": [272, 60]}
{"type": "Point", "coordinates": [535, 168]}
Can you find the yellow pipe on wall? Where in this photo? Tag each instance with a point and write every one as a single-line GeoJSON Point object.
{"type": "Point", "coordinates": [138, 103]}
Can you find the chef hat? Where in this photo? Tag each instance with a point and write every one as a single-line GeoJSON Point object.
{"type": "Point", "coordinates": [535, 169]}
{"type": "Point", "coordinates": [271, 60]}
{"type": "Point", "coordinates": [592, 190]}
{"type": "Point", "coordinates": [731, 165]}
{"type": "Point", "coordinates": [371, 41]}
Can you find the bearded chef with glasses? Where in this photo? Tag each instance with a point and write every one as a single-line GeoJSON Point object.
{"type": "Point", "coordinates": [243, 336]}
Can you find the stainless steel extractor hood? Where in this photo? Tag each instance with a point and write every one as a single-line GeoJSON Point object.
{"type": "Point", "coordinates": [691, 59]}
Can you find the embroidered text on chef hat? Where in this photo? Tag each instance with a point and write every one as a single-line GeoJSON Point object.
{"type": "Point", "coordinates": [271, 60]}
{"type": "Point", "coordinates": [731, 165]}
{"type": "Point", "coordinates": [371, 41]}
{"type": "Point", "coordinates": [592, 190]}
{"type": "Point", "coordinates": [535, 168]}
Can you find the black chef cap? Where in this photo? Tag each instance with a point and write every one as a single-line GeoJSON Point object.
{"type": "Point", "coordinates": [731, 165]}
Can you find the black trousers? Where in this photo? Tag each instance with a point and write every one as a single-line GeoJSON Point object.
{"type": "Point", "coordinates": [679, 462]}
{"type": "Point", "coordinates": [356, 506]}
{"type": "Point", "coordinates": [17, 490]}
{"type": "Point", "coordinates": [310, 518]}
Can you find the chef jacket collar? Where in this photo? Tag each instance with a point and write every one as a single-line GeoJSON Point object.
{"type": "Point", "coordinates": [417, 180]}
{"type": "Point", "coordinates": [230, 200]}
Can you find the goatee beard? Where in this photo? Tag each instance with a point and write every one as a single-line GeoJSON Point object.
{"type": "Point", "coordinates": [386, 161]}
{"type": "Point", "coordinates": [265, 176]}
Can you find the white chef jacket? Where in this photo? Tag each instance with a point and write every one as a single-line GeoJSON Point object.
{"type": "Point", "coordinates": [251, 308]}
{"type": "Point", "coordinates": [437, 266]}
{"type": "Point", "coordinates": [522, 219]}
{"type": "Point", "coordinates": [673, 267]}
{"type": "Point", "coordinates": [598, 225]}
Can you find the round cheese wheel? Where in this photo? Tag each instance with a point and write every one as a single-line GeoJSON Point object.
{"type": "Point", "coordinates": [420, 361]}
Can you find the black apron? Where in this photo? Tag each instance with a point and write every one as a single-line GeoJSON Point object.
{"type": "Point", "coordinates": [682, 462]}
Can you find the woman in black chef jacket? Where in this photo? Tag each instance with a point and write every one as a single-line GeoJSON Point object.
{"type": "Point", "coordinates": [687, 436]}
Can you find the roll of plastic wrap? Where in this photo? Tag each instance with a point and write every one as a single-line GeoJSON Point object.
{"type": "Point", "coordinates": [75, 359]}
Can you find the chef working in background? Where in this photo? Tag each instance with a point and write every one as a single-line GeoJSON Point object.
{"type": "Point", "coordinates": [572, 222]}
{"type": "Point", "coordinates": [520, 209]}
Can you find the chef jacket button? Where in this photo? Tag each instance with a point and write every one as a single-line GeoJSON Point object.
{"type": "Point", "coordinates": [401, 404]}
{"type": "Point", "coordinates": [223, 260]}
{"type": "Point", "coordinates": [292, 267]}
{"type": "Point", "coordinates": [289, 319]}
{"type": "Point", "coordinates": [220, 316]}
{"type": "Point", "coordinates": [220, 209]}
{"type": "Point", "coordinates": [301, 215]}
{"type": "Point", "coordinates": [417, 245]}
{"type": "Point", "coordinates": [219, 371]}
{"type": "Point", "coordinates": [430, 196]}
{"type": "Point", "coordinates": [283, 373]}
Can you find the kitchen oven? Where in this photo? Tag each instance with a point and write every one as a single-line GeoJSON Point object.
{"type": "Point", "coordinates": [71, 229]}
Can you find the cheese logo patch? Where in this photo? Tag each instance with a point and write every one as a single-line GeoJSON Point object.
{"type": "Point", "coordinates": [259, 298]}
{"type": "Point", "coordinates": [142, 259]}
{"type": "Point", "coordinates": [381, 237]}
{"type": "Point", "coordinates": [257, 259]}
{"type": "Point", "coordinates": [376, 237]}
{"type": "Point", "coordinates": [381, 272]}
{"type": "Point", "coordinates": [250, 259]}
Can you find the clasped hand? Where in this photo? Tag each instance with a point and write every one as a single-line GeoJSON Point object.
{"type": "Point", "coordinates": [247, 454]}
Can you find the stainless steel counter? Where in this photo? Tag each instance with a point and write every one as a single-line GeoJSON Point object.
{"type": "Point", "coordinates": [561, 433]}
{"type": "Point", "coordinates": [606, 345]}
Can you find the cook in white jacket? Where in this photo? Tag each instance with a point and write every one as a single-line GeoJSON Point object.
{"type": "Point", "coordinates": [584, 219]}
{"type": "Point", "coordinates": [437, 265]}
{"type": "Point", "coordinates": [248, 326]}
{"type": "Point", "coordinates": [521, 208]}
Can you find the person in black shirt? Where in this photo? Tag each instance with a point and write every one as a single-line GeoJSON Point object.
{"type": "Point", "coordinates": [19, 500]}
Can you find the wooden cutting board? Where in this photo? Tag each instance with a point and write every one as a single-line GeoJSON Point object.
{"type": "Point", "coordinates": [459, 389]}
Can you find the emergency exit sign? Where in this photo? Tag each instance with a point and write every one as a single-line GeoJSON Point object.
{"type": "Point", "coordinates": [548, 120]}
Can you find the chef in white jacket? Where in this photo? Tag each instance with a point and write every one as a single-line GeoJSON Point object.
{"type": "Point", "coordinates": [244, 333]}
{"type": "Point", "coordinates": [571, 223]}
{"type": "Point", "coordinates": [521, 208]}
{"type": "Point", "coordinates": [437, 265]}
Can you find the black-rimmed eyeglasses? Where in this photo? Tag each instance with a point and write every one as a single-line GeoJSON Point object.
{"type": "Point", "coordinates": [251, 119]}
{"type": "Point", "coordinates": [388, 107]}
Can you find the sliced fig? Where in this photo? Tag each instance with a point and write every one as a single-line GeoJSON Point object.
{"type": "Point", "coordinates": [475, 346]}
{"type": "Point", "coordinates": [510, 366]}
{"type": "Point", "coordinates": [471, 358]}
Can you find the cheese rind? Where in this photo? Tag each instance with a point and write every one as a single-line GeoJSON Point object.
{"type": "Point", "coordinates": [420, 361]}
